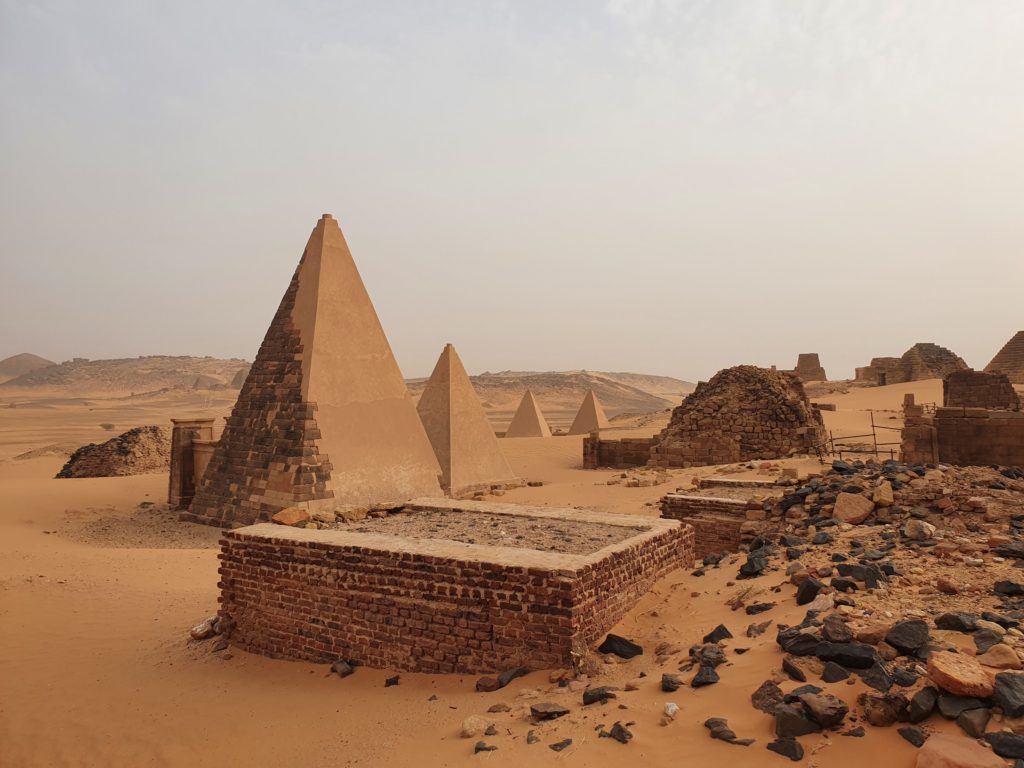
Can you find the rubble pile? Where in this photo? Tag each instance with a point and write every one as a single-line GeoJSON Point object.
{"type": "Point", "coordinates": [743, 413]}
{"type": "Point", "coordinates": [135, 452]}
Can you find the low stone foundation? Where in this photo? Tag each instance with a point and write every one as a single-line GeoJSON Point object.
{"type": "Point", "coordinates": [616, 454]}
{"type": "Point", "coordinates": [434, 604]}
{"type": "Point", "coordinates": [719, 525]}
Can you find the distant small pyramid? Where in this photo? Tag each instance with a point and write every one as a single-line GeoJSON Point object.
{"type": "Point", "coordinates": [324, 418]}
{"type": "Point", "coordinates": [1010, 359]}
{"type": "Point", "coordinates": [590, 417]}
{"type": "Point", "coordinates": [528, 421]}
{"type": "Point", "coordinates": [458, 429]}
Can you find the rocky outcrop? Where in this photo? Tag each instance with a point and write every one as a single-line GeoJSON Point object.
{"type": "Point", "coordinates": [741, 414]}
{"type": "Point", "coordinates": [136, 452]}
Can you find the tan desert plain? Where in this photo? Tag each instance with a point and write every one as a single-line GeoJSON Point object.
{"type": "Point", "coordinates": [102, 583]}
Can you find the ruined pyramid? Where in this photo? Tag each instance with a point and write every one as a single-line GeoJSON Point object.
{"type": "Point", "coordinates": [324, 418]}
{"type": "Point", "coordinates": [458, 429]}
{"type": "Point", "coordinates": [1010, 359]}
{"type": "Point", "coordinates": [528, 421]}
{"type": "Point", "coordinates": [590, 417]}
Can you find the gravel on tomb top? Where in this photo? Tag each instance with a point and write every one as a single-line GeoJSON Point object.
{"type": "Point", "coordinates": [541, 533]}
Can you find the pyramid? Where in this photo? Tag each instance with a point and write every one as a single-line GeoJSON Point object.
{"type": "Point", "coordinates": [324, 418]}
{"type": "Point", "coordinates": [590, 417]}
{"type": "Point", "coordinates": [459, 431]}
{"type": "Point", "coordinates": [528, 421]}
{"type": "Point", "coordinates": [1010, 359]}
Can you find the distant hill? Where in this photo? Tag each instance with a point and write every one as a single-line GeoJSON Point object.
{"type": "Point", "coordinates": [18, 365]}
{"type": "Point", "coordinates": [135, 374]}
{"type": "Point", "coordinates": [559, 393]}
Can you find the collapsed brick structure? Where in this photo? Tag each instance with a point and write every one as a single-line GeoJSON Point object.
{"type": "Point", "coordinates": [979, 389]}
{"type": "Point", "coordinates": [742, 414]}
{"type": "Point", "coordinates": [922, 361]}
{"type": "Point", "coordinates": [135, 452]}
{"type": "Point", "coordinates": [808, 367]}
{"type": "Point", "coordinates": [323, 418]}
{"type": "Point", "coordinates": [438, 605]}
{"type": "Point", "coordinates": [1010, 359]}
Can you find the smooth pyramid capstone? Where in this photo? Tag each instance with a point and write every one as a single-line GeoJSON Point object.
{"type": "Point", "coordinates": [458, 429]}
{"type": "Point", "coordinates": [324, 418]}
{"type": "Point", "coordinates": [1010, 359]}
{"type": "Point", "coordinates": [590, 417]}
{"type": "Point", "coordinates": [528, 421]}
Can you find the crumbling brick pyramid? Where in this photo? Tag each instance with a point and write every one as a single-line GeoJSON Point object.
{"type": "Point", "coordinates": [135, 452]}
{"type": "Point", "coordinates": [1010, 359]}
{"type": "Point", "coordinates": [742, 414]}
{"type": "Point", "coordinates": [922, 361]}
{"type": "Point", "coordinates": [324, 418]}
{"type": "Point", "coordinates": [979, 389]}
{"type": "Point", "coordinates": [929, 361]}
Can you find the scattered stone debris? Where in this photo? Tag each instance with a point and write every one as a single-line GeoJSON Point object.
{"type": "Point", "coordinates": [620, 646]}
{"type": "Point", "coordinates": [135, 452]}
{"type": "Point", "coordinates": [719, 728]}
{"type": "Point", "coordinates": [547, 711]}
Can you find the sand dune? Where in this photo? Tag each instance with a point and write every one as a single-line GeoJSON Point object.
{"type": "Point", "coordinates": [98, 594]}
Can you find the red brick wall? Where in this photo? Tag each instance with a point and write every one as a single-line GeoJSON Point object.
{"type": "Point", "coordinates": [304, 599]}
{"type": "Point", "coordinates": [717, 523]}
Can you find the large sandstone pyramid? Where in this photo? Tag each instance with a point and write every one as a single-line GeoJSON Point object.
{"type": "Point", "coordinates": [323, 418]}
{"type": "Point", "coordinates": [742, 414]}
{"type": "Point", "coordinates": [1010, 359]}
{"type": "Point", "coordinates": [528, 421]}
{"type": "Point", "coordinates": [590, 417]}
{"type": "Point", "coordinates": [462, 437]}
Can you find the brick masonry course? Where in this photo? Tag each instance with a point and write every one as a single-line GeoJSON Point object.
{"type": "Point", "coordinates": [965, 436]}
{"type": "Point", "coordinates": [719, 525]}
{"type": "Point", "coordinates": [431, 605]}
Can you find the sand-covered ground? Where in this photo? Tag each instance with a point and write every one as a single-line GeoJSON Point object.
{"type": "Point", "coordinates": [98, 591]}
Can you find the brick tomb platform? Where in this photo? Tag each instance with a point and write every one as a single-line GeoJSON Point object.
{"type": "Point", "coordinates": [457, 590]}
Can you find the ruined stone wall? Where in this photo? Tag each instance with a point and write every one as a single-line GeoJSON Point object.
{"type": "Point", "coordinates": [742, 414]}
{"type": "Point", "coordinates": [977, 389]}
{"type": "Point", "coordinates": [617, 454]}
{"type": "Point", "coordinates": [135, 452]}
{"type": "Point", "coordinates": [966, 436]}
{"type": "Point", "coordinates": [289, 594]}
{"type": "Point", "coordinates": [719, 525]}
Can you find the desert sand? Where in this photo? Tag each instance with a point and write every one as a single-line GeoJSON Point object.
{"type": "Point", "coordinates": [98, 591]}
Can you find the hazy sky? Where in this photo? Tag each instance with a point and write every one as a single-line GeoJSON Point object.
{"type": "Point", "coordinates": [644, 185]}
